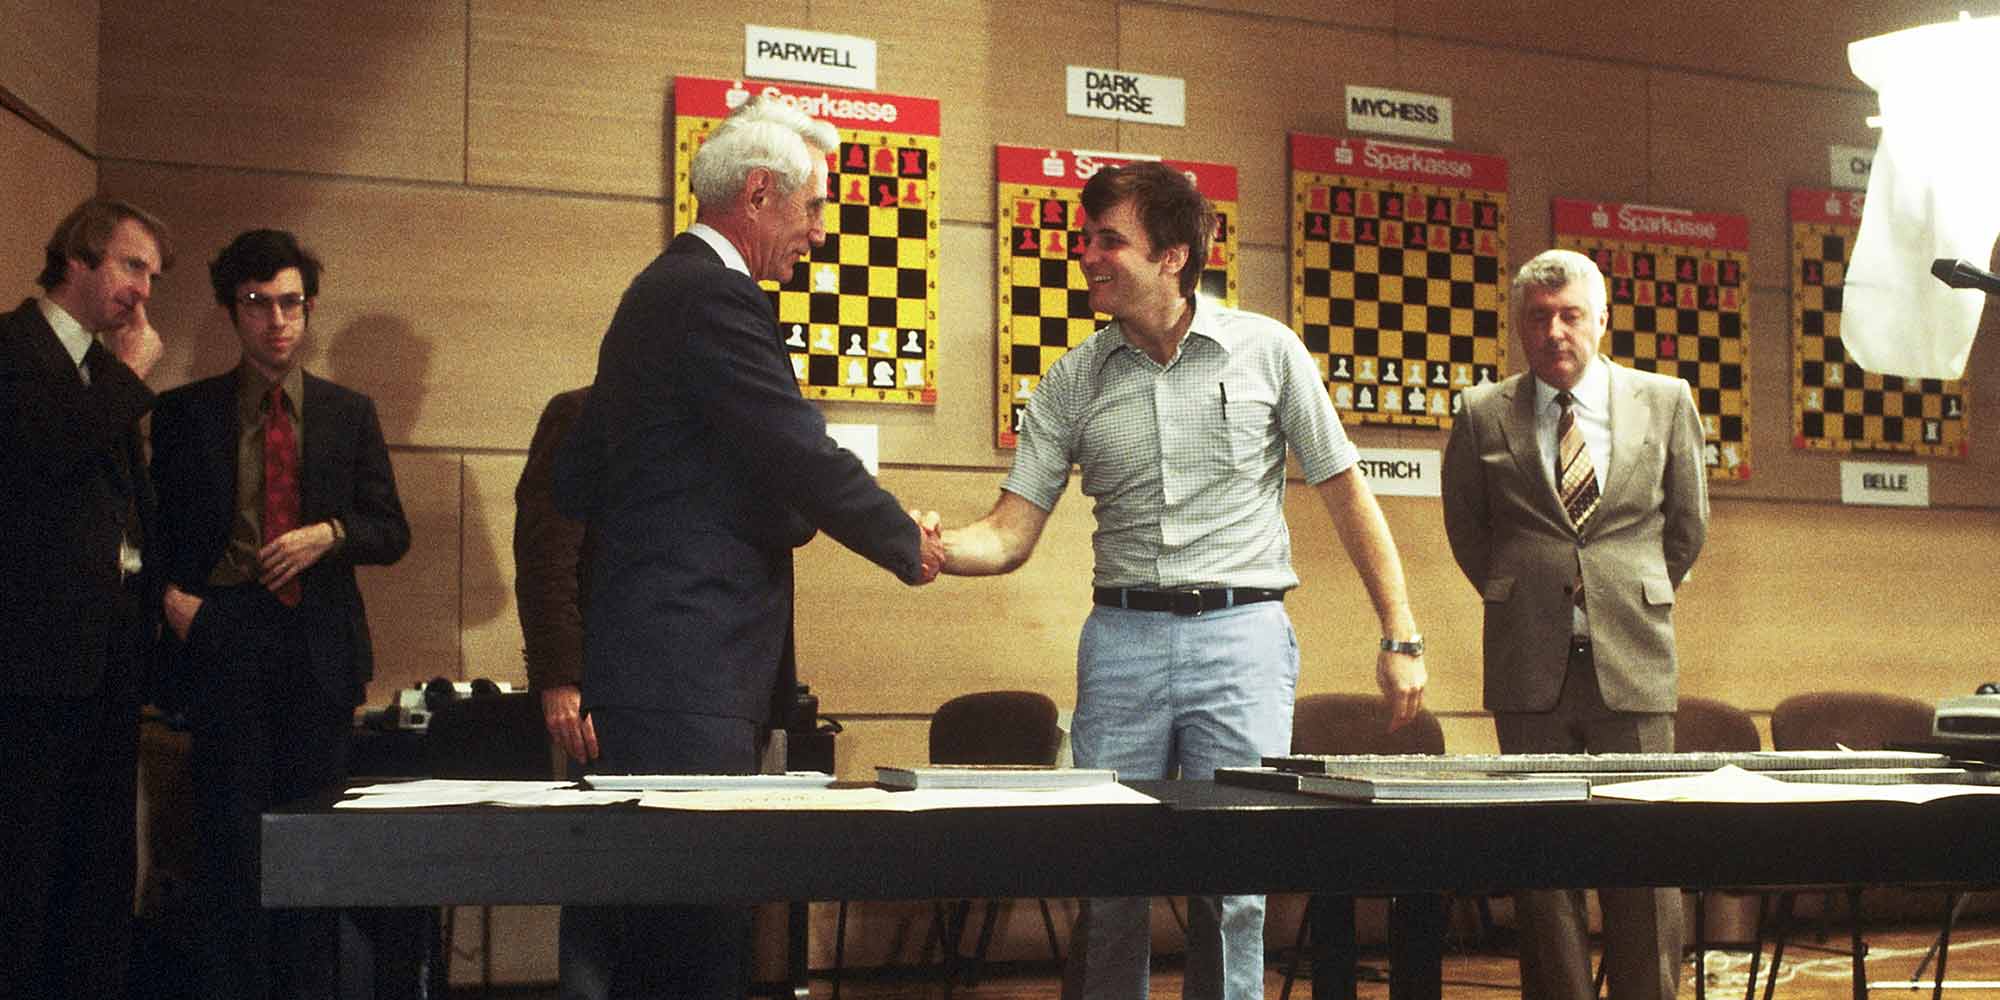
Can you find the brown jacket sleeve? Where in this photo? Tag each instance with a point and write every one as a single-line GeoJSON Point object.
{"type": "Point", "coordinates": [551, 559]}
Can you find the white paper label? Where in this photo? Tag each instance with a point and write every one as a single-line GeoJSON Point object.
{"type": "Point", "coordinates": [1402, 472]}
{"type": "Point", "coordinates": [811, 56]}
{"type": "Point", "coordinates": [1398, 112]}
{"type": "Point", "coordinates": [1883, 484]}
{"type": "Point", "coordinates": [1131, 97]}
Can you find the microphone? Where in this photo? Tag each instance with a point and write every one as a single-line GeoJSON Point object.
{"type": "Point", "coordinates": [1961, 274]}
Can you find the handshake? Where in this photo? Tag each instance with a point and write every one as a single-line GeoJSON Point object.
{"type": "Point", "coordinates": [930, 550]}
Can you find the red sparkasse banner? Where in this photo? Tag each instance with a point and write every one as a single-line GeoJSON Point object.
{"type": "Point", "coordinates": [1397, 161]}
{"type": "Point", "coordinates": [702, 97]}
{"type": "Point", "coordinates": [1827, 206]}
{"type": "Point", "coordinates": [1614, 220]}
{"type": "Point", "coordinates": [1070, 168]}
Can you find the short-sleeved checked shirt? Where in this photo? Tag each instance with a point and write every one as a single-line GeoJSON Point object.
{"type": "Point", "coordinates": [1186, 461]}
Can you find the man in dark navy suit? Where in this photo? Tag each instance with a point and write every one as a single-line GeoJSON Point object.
{"type": "Point", "coordinates": [700, 468]}
{"type": "Point", "coordinates": [274, 484]}
{"type": "Point", "coordinates": [76, 611]}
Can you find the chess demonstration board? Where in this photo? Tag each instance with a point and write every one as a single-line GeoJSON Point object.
{"type": "Point", "coordinates": [1044, 303]}
{"type": "Point", "coordinates": [859, 317]}
{"type": "Point", "coordinates": [1680, 302]}
{"type": "Point", "coordinates": [1398, 290]}
{"type": "Point", "coordinates": [1837, 406]}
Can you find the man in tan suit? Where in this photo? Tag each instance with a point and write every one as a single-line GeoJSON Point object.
{"type": "Point", "coordinates": [1575, 499]}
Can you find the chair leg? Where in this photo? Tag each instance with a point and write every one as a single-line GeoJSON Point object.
{"type": "Point", "coordinates": [839, 946]}
{"type": "Point", "coordinates": [1786, 901]}
{"type": "Point", "coordinates": [991, 916]}
{"type": "Point", "coordinates": [1298, 950]}
{"type": "Point", "coordinates": [1049, 925]}
{"type": "Point", "coordinates": [1860, 946]}
{"type": "Point", "coordinates": [1700, 945]}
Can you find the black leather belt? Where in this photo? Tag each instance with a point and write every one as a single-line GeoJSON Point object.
{"type": "Point", "coordinates": [1579, 645]}
{"type": "Point", "coordinates": [1184, 602]}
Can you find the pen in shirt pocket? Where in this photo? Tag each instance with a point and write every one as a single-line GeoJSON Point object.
{"type": "Point", "coordinates": [1224, 389]}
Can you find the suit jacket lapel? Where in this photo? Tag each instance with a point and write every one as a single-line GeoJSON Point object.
{"type": "Point", "coordinates": [1631, 425]}
{"type": "Point", "coordinates": [1519, 427]}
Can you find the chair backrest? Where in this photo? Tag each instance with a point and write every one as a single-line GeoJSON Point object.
{"type": "Point", "coordinates": [1359, 723]}
{"type": "Point", "coordinates": [1708, 725]}
{"type": "Point", "coordinates": [1859, 720]}
{"type": "Point", "coordinates": [996, 727]}
{"type": "Point", "coordinates": [496, 736]}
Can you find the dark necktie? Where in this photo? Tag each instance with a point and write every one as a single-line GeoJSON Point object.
{"type": "Point", "coordinates": [1576, 478]}
{"type": "Point", "coordinates": [281, 480]}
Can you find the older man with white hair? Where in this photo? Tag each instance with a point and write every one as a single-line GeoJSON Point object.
{"type": "Point", "coordinates": [1575, 500]}
{"type": "Point", "coordinates": [701, 467]}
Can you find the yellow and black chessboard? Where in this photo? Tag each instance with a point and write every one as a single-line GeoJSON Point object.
{"type": "Point", "coordinates": [859, 317]}
{"type": "Point", "coordinates": [1680, 299]}
{"type": "Point", "coordinates": [1398, 284]}
{"type": "Point", "coordinates": [1043, 299]}
{"type": "Point", "coordinates": [1837, 406]}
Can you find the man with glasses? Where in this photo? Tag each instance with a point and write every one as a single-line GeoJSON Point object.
{"type": "Point", "coordinates": [273, 484]}
{"type": "Point", "coordinates": [74, 556]}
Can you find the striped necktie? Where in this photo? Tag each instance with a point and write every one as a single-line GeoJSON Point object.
{"type": "Point", "coordinates": [1576, 478]}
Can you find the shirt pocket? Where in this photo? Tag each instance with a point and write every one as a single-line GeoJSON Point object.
{"type": "Point", "coordinates": [1245, 437]}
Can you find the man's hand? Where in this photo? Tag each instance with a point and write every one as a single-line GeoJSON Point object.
{"type": "Point", "coordinates": [180, 607]}
{"type": "Point", "coordinates": [1402, 678]}
{"type": "Point", "coordinates": [292, 553]}
{"type": "Point", "coordinates": [931, 544]}
{"type": "Point", "coordinates": [568, 726]}
{"type": "Point", "coordinates": [136, 343]}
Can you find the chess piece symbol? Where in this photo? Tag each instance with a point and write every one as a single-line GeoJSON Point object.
{"type": "Point", "coordinates": [1340, 368]}
{"type": "Point", "coordinates": [797, 337]}
{"type": "Point", "coordinates": [826, 279]}
{"type": "Point", "coordinates": [1365, 400]}
{"type": "Point", "coordinates": [1366, 369]}
{"type": "Point", "coordinates": [913, 373]}
{"type": "Point", "coordinates": [1343, 398]}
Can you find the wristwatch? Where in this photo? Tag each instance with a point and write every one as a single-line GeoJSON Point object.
{"type": "Point", "coordinates": [1413, 646]}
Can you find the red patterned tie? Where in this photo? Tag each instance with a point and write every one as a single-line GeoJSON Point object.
{"type": "Point", "coordinates": [281, 480]}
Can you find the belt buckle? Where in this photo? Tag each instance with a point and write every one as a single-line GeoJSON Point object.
{"type": "Point", "coordinates": [1186, 603]}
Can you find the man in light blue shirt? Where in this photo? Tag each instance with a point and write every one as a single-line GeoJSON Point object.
{"type": "Point", "coordinates": [1179, 413]}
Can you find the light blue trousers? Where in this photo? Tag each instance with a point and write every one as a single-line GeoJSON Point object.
{"type": "Point", "coordinates": [1160, 695]}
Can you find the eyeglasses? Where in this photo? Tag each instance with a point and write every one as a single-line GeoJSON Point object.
{"type": "Point", "coordinates": [289, 305]}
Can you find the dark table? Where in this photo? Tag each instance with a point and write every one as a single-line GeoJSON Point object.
{"type": "Point", "coordinates": [1201, 838]}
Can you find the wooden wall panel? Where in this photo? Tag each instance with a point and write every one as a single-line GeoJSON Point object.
{"type": "Point", "coordinates": [1791, 598]}
{"type": "Point", "coordinates": [372, 88]}
{"type": "Point", "coordinates": [41, 179]}
{"type": "Point", "coordinates": [461, 312]}
{"type": "Point", "coordinates": [413, 606]}
{"type": "Point", "coordinates": [48, 62]}
{"type": "Point", "coordinates": [491, 642]}
{"type": "Point", "coordinates": [1242, 99]}
{"type": "Point", "coordinates": [575, 98]}
{"type": "Point", "coordinates": [1615, 32]}
{"type": "Point", "coordinates": [1801, 41]}
{"type": "Point", "coordinates": [1377, 14]}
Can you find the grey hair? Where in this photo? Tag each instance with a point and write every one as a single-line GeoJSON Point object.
{"type": "Point", "coordinates": [763, 132]}
{"type": "Point", "coordinates": [1554, 270]}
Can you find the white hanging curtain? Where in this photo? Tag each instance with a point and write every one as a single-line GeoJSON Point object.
{"type": "Point", "coordinates": [1932, 193]}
